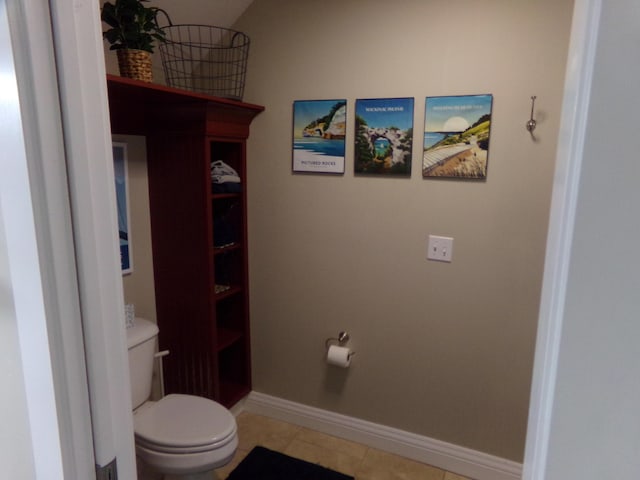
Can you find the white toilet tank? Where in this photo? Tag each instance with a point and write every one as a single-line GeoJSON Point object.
{"type": "Point", "coordinates": [141, 342]}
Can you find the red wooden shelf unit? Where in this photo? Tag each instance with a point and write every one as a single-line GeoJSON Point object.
{"type": "Point", "coordinates": [199, 238]}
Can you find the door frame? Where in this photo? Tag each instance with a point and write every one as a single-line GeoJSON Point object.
{"type": "Point", "coordinates": [571, 140]}
{"type": "Point", "coordinates": [79, 401]}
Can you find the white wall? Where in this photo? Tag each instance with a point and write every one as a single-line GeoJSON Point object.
{"type": "Point", "coordinates": [595, 430]}
{"type": "Point", "coordinates": [29, 442]}
{"type": "Point", "coordinates": [138, 286]}
{"type": "Point", "coordinates": [15, 438]}
{"type": "Point", "coordinates": [444, 350]}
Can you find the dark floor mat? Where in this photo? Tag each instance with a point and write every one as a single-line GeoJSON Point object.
{"type": "Point", "coordinates": [265, 464]}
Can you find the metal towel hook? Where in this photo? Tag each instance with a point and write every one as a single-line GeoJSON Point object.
{"type": "Point", "coordinates": [531, 124]}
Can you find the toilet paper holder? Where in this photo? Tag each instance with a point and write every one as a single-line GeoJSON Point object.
{"type": "Point", "coordinates": [343, 337]}
{"type": "Point", "coordinates": [336, 350]}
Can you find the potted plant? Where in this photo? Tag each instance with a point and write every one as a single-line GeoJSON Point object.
{"type": "Point", "coordinates": [132, 33]}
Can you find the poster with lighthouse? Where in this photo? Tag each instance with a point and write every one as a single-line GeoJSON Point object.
{"type": "Point", "coordinates": [456, 136]}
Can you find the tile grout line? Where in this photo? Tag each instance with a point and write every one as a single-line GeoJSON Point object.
{"type": "Point", "coordinates": [361, 464]}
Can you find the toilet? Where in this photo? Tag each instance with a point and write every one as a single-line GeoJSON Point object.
{"type": "Point", "coordinates": [180, 436]}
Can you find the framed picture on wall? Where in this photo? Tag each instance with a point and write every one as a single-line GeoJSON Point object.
{"type": "Point", "coordinates": [319, 128]}
{"type": "Point", "coordinates": [456, 136]}
{"type": "Point", "coordinates": [122, 200]}
{"type": "Point", "coordinates": [384, 136]}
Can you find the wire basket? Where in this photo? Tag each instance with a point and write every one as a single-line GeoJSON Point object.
{"type": "Point", "coordinates": [205, 59]}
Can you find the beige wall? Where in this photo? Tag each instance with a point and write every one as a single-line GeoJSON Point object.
{"type": "Point", "coordinates": [138, 285]}
{"type": "Point", "coordinates": [443, 350]}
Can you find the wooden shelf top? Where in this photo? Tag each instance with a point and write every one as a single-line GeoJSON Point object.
{"type": "Point", "coordinates": [156, 93]}
{"type": "Point", "coordinates": [138, 107]}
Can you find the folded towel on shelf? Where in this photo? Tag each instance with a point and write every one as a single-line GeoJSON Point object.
{"type": "Point", "coordinates": [224, 178]}
{"type": "Point", "coordinates": [227, 187]}
{"type": "Point", "coordinates": [220, 168]}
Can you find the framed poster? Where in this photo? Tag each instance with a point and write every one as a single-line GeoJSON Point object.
{"type": "Point", "coordinates": [456, 136]}
{"type": "Point", "coordinates": [319, 128]}
{"type": "Point", "coordinates": [384, 136]}
{"type": "Point", "coordinates": [122, 201]}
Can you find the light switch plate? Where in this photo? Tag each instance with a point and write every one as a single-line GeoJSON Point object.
{"type": "Point", "coordinates": [440, 248]}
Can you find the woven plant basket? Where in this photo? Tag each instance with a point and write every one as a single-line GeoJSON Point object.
{"type": "Point", "coordinates": [135, 64]}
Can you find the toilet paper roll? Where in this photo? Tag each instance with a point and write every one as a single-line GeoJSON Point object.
{"type": "Point", "coordinates": [339, 356]}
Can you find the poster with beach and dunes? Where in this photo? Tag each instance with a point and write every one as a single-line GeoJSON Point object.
{"type": "Point", "coordinates": [384, 136]}
{"type": "Point", "coordinates": [456, 136]}
{"type": "Point", "coordinates": [319, 128]}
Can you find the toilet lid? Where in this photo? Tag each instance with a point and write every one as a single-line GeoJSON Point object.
{"type": "Point", "coordinates": [184, 421]}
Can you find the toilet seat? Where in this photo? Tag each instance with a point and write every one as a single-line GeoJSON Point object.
{"type": "Point", "coordinates": [182, 424]}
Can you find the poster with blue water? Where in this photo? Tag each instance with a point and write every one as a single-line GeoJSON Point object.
{"type": "Point", "coordinates": [319, 128]}
{"type": "Point", "coordinates": [384, 136]}
{"type": "Point", "coordinates": [122, 202]}
{"type": "Point", "coordinates": [456, 136]}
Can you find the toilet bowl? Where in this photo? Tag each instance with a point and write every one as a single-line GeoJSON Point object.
{"type": "Point", "coordinates": [184, 434]}
{"type": "Point", "coordinates": [180, 435]}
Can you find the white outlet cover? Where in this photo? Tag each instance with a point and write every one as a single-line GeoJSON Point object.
{"type": "Point", "coordinates": [440, 248]}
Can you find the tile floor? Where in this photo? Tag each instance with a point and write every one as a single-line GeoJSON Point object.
{"type": "Point", "coordinates": [357, 460]}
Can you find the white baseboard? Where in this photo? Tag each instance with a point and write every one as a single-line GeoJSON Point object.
{"type": "Point", "coordinates": [453, 458]}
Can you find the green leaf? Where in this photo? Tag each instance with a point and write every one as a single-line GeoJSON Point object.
{"type": "Point", "coordinates": [132, 25]}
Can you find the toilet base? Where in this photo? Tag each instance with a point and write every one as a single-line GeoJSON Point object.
{"type": "Point", "coordinates": [185, 464]}
{"type": "Point", "coordinates": [194, 476]}
{"type": "Point", "coordinates": [145, 472]}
